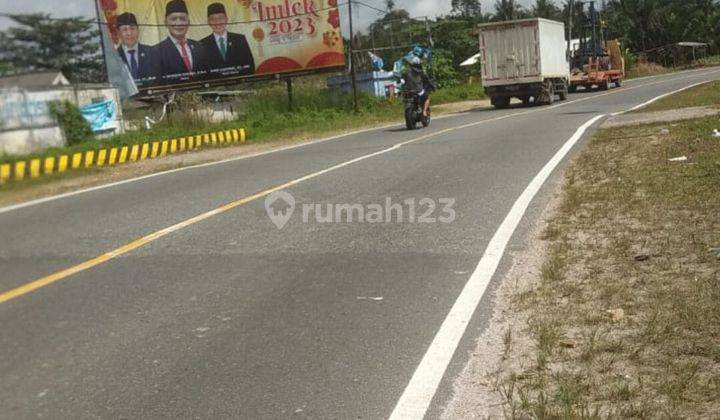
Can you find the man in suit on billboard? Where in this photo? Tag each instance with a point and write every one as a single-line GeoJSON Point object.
{"type": "Point", "coordinates": [228, 53]}
{"type": "Point", "coordinates": [137, 57]}
{"type": "Point", "coordinates": [180, 59]}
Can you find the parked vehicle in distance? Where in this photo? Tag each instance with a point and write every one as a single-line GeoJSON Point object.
{"type": "Point", "coordinates": [524, 59]}
{"type": "Point", "coordinates": [596, 62]}
{"type": "Point", "coordinates": [600, 70]}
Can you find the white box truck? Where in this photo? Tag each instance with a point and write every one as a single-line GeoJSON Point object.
{"type": "Point", "coordinates": [524, 59]}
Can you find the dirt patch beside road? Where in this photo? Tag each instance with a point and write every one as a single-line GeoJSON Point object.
{"type": "Point", "coordinates": [464, 106]}
{"type": "Point", "coordinates": [478, 391]}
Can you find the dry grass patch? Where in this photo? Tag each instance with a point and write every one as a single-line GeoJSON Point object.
{"type": "Point", "coordinates": [707, 94]}
{"type": "Point", "coordinates": [625, 320]}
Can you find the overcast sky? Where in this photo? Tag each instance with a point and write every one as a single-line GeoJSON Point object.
{"type": "Point", "coordinates": [65, 8]}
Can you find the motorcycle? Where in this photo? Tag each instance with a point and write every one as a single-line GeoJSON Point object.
{"type": "Point", "coordinates": [414, 110]}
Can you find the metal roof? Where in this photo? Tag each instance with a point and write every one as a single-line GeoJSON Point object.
{"type": "Point", "coordinates": [34, 80]}
{"type": "Point", "coordinates": [692, 44]}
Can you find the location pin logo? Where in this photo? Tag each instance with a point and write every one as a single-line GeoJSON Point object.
{"type": "Point", "coordinates": [280, 206]}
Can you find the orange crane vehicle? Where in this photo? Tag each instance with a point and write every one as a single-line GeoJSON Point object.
{"type": "Point", "coordinates": [596, 62]}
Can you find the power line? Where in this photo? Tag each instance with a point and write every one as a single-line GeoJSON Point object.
{"type": "Point", "coordinates": [370, 7]}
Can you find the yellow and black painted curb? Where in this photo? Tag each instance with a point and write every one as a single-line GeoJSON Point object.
{"type": "Point", "coordinates": [112, 156]}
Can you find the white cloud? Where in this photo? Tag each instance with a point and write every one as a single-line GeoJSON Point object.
{"type": "Point", "coordinates": [430, 8]}
{"type": "Point", "coordinates": [69, 8]}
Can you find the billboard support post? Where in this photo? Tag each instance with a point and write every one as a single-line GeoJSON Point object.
{"type": "Point", "coordinates": [288, 81]}
{"type": "Point", "coordinates": [351, 48]}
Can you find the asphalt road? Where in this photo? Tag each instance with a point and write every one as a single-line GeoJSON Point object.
{"type": "Point", "coordinates": [231, 317]}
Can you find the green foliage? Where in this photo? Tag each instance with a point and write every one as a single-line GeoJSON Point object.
{"type": "Point", "coordinates": [70, 45]}
{"type": "Point", "coordinates": [467, 9]}
{"type": "Point", "coordinates": [73, 124]}
{"type": "Point", "coordinates": [458, 92]}
{"type": "Point", "coordinates": [547, 9]}
{"type": "Point", "coordinates": [6, 68]}
{"type": "Point", "coordinates": [456, 37]}
{"type": "Point", "coordinates": [443, 71]}
{"type": "Point", "coordinates": [647, 24]}
{"type": "Point", "coordinates": [508, 10]}
{"type": "Point", "coordinates": [630, 60]}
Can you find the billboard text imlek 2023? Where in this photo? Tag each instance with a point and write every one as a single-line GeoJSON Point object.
{"type": "Point", "coordinates": [178, 44]}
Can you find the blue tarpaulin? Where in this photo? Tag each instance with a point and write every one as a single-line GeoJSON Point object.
{"type": "Point", "coordinates": [101, 116]}
{"type": "Point", "coordinates": [423, 53]}
{"type": "Point", "coordinates": [377, 62]}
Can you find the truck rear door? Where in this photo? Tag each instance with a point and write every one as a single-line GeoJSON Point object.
{"type": "Point", "coordinates": [510, 51]}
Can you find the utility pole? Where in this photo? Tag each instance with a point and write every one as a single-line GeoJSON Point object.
{"type": "Point", "coordinates": [594, 23]}
{"type": "Point", "coordinates": [353, 78]}
{"type": "Point", "coordinates": [571, 18]}
{"type": "Point", "coordinates": [102, 40]}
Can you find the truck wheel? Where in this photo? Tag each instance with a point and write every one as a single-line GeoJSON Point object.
{"type": "Point", "coordinates": [564, 92]}
{"type": "Point", "coordinates": [525, 100]}
{"type": "Point", "coordinates": [618, 83]}
{"type": "Point", "coordinates": [500, 102]}
{"type": "Point", "coordinates": [548, 93]}
{"type": "Point", "coordinates": [605, 85]}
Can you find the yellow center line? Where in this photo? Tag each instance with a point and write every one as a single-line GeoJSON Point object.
{"type": "Point", "coordinates": [63, 274]}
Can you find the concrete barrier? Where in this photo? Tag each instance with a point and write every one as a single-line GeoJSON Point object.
{"type": "Point", "coordinates": [111, 156]}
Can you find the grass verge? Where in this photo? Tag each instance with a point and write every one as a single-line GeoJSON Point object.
{"type": "Point", "coordinates": [707, 94]}
{"type": "Point", "coordinates": [625, 319]}
{"type": "Point", "coordinates": [644, 69]}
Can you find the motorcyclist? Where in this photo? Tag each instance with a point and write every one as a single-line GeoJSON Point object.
{"type": "Point", "coordinates": [416, 80]}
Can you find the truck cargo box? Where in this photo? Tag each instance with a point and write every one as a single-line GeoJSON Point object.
{"type": "Point", "coordinates": [523, 51]}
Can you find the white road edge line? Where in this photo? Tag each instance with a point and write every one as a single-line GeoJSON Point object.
{"type": "Point", "coordinates": [657, 98]}
{"type": "Point", "coordinates": [313, 142]}
{"type": "Point", "coordinates": [418, 394]}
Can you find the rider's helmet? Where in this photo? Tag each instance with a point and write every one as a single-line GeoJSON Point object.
{"type": "Point", "coordinates": [415, 61]}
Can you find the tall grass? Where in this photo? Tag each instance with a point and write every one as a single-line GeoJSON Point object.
{"type": "Point", "coordinates": [460, 92]}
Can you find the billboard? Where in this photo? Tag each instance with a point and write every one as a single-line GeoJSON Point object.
{"type": "Point", "coordinates": [184, 44]}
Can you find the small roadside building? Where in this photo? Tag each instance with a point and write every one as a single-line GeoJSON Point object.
{"type": "Point", "coordinates": [34, 80]}
{"type": "Point", "coordinates": [677, 54]}
{"type": "Point", "coordinates": [26, 124]}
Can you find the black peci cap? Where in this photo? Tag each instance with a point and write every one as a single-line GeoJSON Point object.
{"type": "Point", "coordinates": [216, 8]}
{"type": "Point", "coordinates": [176, 6]}
{"type": "Point", "coordinates": [126, 19]}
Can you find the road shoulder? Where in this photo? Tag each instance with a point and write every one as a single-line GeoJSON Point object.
{"type": "Point", "coordinates": [476, 391]}
{"type": "Point", "coordinates": [611, 308]}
